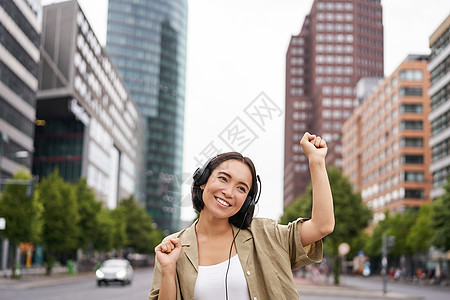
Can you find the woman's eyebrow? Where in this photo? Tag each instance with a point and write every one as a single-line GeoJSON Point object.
{"type": "Point", "coordinates": [228, 175]}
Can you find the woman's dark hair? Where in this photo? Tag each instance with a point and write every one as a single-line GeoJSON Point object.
{"type": "Point", "coordinates": [197, 192]}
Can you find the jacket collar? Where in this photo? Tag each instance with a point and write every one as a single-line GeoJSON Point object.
{"type": "Point", "coordinates": [188, 239]}
{"type": "Point", "coordinates": [243, 244]}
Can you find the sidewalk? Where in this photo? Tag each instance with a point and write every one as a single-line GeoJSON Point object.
{"type": "Point", "coordinates": [33, 281]}
{"type": "Point", "coordinates": [307, 287]}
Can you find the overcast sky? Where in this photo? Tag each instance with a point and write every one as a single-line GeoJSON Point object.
{"type": "Point", "coordinates": [236, 51]}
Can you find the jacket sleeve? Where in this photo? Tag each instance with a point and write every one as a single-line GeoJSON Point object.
{"type": "Point", "coordinates": [290, 237]}
{"type": "Point", "coordinates": [154, 292]}
{"type": "Point", "coordinates": [156, 283]}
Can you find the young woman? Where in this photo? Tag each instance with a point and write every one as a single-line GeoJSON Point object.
{"type": "Point", "coordinates": [228, 254]}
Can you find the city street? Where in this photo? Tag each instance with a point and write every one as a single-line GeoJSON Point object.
{"type": "Point", "coordinates": [78, 287]}
{"type": "Point", "coordinates": [84, 287]}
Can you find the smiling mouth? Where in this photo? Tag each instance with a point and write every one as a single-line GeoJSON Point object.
{"type": "Point", "coordinates": [222, 202]}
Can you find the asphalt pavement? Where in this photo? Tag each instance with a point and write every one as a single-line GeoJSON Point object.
{"type": "Point", "coordinates": [350, 288]}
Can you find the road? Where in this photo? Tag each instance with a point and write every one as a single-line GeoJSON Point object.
{"type": "Point", "coordinates": [84, 288]}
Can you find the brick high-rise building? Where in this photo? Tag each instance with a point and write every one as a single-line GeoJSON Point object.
{"type": "Point", "coordinates": [340, 42]}
{"type": "Point", "coordinates": [385, 142]}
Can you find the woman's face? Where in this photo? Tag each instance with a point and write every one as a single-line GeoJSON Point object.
{"type": "Point", "coordinates": [226, 189]}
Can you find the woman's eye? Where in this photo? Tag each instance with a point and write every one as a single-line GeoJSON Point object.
{"type": "Point", "coordinates": [242, 189]}
{"type": "Point", "coordinates": [222, 178]}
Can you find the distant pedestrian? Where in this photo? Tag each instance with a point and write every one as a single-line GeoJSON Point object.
{"type": "Point", "coordinates": [227, 253]}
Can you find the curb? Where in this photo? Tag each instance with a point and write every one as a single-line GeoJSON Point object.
{"type": "Point", "coordinates": [307, 288]}
{"type": "Point", "coordinates": [349, 292]}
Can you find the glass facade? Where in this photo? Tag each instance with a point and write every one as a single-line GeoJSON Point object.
{"type": "Point", "coordinates": [19, 40]}
{"type": "Point", "coordinates": [147, 42]}
{"type": "Point", "coordinates": [59, 145]}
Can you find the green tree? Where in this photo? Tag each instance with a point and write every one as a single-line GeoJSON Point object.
{"type": "Point", "coordinates": [351, 215]}
{"type": "Point", "coordinates": [88, 209]}
{"type": "Point", "coordinates": [399, 227]}
{"type": "Point", "coordinates": [440, 219]}
{"type": "Point", "coordinates": [119, 232]}
{"type": "Point", "coordinates": [139, 227]}
{"type": "Point", "coordinates": [301, 207]}
{"type": "Point", "coordinates": [420, 235]}
{"type": "Point", "coordinates": [104, 239]}
{"type": "Point", "coordinates": [60, 230]}
{"type": "Point", "coordinates": [21, 212]}
{"type": "Point", "coordinates": [373, 245]}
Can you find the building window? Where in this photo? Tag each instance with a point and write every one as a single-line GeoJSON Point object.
{"type": "Point", "coordinates": [326, 113]}
{"type": "Point", "coordinates": [411, 108]}
{"type": "Point", "coordinates": [411, 75]}
{"type": "Point", "coordinates": [441, 123]}
{"type": "Point", "coordinates": [441, 150]}
{"type": "Point", "coordinates": [297, 92]}
{"type": "Point", "coordinates": [414, 176]}
{"type": "Point", "coordinates": [415, 193]}
{"type": "Point", "coordinates": [326, 102]}
{"type": "Point", "coordinates": [412, 142]}
{"type": "Point", "coordinates": [410, 91]}
{"type": "Point", "coordinates": [412, 159]}
{"type": "Point", "coordinates": [411, 125]}
{"type": "Point", "coordinates": [326, 90]}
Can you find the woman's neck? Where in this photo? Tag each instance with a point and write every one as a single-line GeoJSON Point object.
{"type": "Point", "coordinates": [208, 225]}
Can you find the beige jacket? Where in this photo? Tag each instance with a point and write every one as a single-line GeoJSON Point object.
{"type": "Point", "coordinates": [267, 252]}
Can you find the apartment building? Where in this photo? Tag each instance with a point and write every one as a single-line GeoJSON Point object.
{"type": "Point", "coordinates": [385, 142]}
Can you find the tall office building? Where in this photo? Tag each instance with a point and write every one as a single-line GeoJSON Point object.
{"type": "Point", "coordinates": [385, 141]}
{"type": "Point", "coordinates": [340, 42]}
{"type": "Point", "coordinates": [147, 42]}
{"type": "Point", "coordinates": [87, 125]}
{"type": "Point", "coordinates": [20, 29]}
{"type": "Point", "coordinates": [439, 92]}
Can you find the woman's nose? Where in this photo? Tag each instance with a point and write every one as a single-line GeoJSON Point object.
{"type": "Point", "coordinates": [227, 191]}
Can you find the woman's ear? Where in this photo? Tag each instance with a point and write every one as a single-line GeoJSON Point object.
{"type": "Point", "coordinates": [202, 187]}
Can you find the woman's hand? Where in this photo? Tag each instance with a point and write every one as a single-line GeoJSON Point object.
{"type": "Point", "coordinates": [313, 146]}
{"type": "Point", "coordinates": [168, 253]}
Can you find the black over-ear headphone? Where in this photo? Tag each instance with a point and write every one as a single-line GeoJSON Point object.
{"type": "Point", "coordinates": [202, 174]}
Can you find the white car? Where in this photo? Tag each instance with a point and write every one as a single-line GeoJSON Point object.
{"type": "Point", "coordinates": [114, 270]}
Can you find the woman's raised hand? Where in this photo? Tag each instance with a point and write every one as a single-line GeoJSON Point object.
{"type": "Point", "coordinates": [168, 252]}
{"type": "Point", "coordinates": [313, 146]}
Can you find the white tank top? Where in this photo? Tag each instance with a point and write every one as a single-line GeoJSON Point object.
{"type": "Point", "coordinates": [210, 282]}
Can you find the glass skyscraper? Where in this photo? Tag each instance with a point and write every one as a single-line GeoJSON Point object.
{"type": "Point", "coordinates": [146, 40]}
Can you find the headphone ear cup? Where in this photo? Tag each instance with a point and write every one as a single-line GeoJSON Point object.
{"type": "Point", "coordinates": [201, 176]}
{"type": "Point", "coordinates": [248, 204]}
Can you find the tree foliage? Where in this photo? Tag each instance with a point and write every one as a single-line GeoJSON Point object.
{"type": "Point", "coordinates": [141, 236]}
{"type": "Point", "coordinates": [420, 235]}
{"type": "Point", "coordinates": [351, 215]}
{"type": "Point", "coordinates": [399, 227]}
{"type": "Point", "coordinates": [440, 219]}
{"type": "Point", "coordinates": [60, 217]}
{"type": "Point", "coordinates": [88, 209]}
{"type": "Point", "coordinates": [105, 233]}
{"type": "Point", "coordinates": [21, 212]}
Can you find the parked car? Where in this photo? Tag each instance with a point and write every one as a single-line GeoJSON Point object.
{"type": "Point", "coordinates": [114, 270]}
